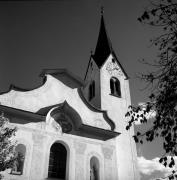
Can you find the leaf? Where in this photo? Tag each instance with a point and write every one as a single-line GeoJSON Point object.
{"type": "Point", "coordinates": [127, 114]}
{"type": "Point", "coordinates": [165, 164]}
{"type": "Point", "coordinates": [145, 15]}
{"type": "Point", "coordinates": [153, 12]}
{"type": "Point", "coordinates": [141, 142]}
{"type": "Point", "coordinates": [165, 158]}
{"type": "Point", "coordinates": [127, 127]}
{"type": "Point", "coordinates": [139, 19]}
{"type": "Point", "coordinates": [161, 160]}
{"type": "Point", "coordinates": [136, 139]}
{"type": "Point", "coordinates": [138, 133]}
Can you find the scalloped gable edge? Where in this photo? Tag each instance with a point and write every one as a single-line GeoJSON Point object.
{"type": "Point", "coordinates": [43, 74]}
{"type": "Point", "coordinates": [9, 98]}
{"type": "Point", "coordinates": [13, 87]}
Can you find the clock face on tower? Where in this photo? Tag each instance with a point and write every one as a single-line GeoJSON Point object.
{"type": "Point", "coordinates": [114, 69]}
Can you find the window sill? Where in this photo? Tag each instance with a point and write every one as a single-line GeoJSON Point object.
{"type": "Point", "coordinates": [16, 173]}
{"type": "Point", "coordinates": [115, 95]}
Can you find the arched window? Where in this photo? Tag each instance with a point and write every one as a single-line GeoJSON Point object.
{"type": "Point", "coordinates": [91, 90]}
{"type": "Point", "coordinates": [94, 168]}
{"type": "Point", "coordinates": [57, 161]}
{"type": "Point", "coordinates": [18, 165]}
{"type": "Point", "coordinates": [115, 87]}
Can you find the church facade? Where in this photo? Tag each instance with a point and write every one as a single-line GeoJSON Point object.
{"type": "Point", "coordinates": [70, 129]}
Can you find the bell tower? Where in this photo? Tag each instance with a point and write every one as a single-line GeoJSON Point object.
{"type": "Point", "coordinates": [107, 88]}
{"type": "Point", "coordinates": [107, 85]}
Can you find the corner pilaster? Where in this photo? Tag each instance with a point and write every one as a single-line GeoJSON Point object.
{"type": "Point", "coordinates": [37, 156]}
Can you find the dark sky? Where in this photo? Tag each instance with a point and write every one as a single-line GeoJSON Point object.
{"type": "Point", "coordinates": [61, 33]}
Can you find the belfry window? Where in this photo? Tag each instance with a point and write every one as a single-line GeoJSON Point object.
{"type": "Point", "coordinates": [18, 165]}
{"type": "Point", "coordinates": [57, 161]}
{"type": "Point", "coordinates": [91, 90]}
{"type": "Point", "coordinates": [94, 168]}
{"type": "Point", "coordinates": [115, 87]}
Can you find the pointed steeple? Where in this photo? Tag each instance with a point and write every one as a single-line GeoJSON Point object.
{"type": "Point", "coordinates": [103, 47]}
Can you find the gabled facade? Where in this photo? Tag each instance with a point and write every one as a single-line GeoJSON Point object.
{"type": "Point", "coordinates": [74, 130]}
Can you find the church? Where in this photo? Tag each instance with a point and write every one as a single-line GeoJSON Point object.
{"type": "Point", "coordinates": [74, 129]}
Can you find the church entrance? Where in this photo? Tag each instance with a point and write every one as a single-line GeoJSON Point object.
{"type": "Point", "coordinates": [57, 162]}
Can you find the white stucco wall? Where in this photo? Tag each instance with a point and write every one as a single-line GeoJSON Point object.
{"type": "Point", "coordinates": [38, 142]}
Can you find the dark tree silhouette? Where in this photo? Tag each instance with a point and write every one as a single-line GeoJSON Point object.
{"type": "Point", "coordinates": [7, 148]}
{"type": "Point", "coordinates": [161, 14]}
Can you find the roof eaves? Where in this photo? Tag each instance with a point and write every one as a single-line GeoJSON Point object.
{"type": "Point", "coordinates": [33, 117]}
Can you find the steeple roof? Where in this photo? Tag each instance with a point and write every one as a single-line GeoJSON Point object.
{"type": "Point", "coordinates": [103, 47]}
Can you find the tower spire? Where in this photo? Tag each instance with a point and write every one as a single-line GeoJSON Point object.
{"type": "Point", "coordinates": [103, 47]}
{"type": "Point", "coordinates": [102, 10]}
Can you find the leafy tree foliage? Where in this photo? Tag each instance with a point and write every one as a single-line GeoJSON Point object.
{"type": "Point", "coordinates": [161, 14]}
{"type": "Point", "coordinates": [7, 153]}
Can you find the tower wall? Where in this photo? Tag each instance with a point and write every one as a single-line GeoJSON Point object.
{"type": "Point", "coordinates": [93, 74]}
{"type": "Point", "coordinates": [117, 108]}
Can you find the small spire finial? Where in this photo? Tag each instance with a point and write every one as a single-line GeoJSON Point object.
{"type": "Point", "coordinates": [102, 10]}
{"type": "Point", "coordinates": [91, 52]}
